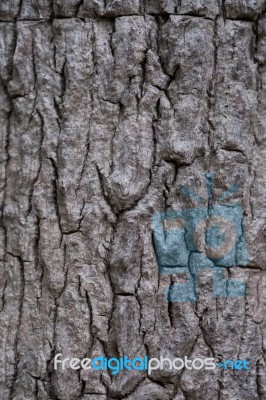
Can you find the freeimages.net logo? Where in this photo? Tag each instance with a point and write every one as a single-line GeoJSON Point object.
{"type": "Point", "coordinates": [189, 240]}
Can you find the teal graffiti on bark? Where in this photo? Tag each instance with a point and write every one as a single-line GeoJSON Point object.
{"type": "Point", "coordinates": [211, 237]}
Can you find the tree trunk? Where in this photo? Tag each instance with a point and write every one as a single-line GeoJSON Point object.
{"type": "Point", "coordinates": [116, 115]}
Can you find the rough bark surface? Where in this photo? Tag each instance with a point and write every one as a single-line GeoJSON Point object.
{"type": "Point", "coordinates": [109, 107]}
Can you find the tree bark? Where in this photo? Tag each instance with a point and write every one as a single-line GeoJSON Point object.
{"type": "Point", "coordinates": [108, 109]}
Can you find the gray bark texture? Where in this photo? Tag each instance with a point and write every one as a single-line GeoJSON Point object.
{"type": "Point", "coordinates": [107, 109]}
